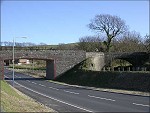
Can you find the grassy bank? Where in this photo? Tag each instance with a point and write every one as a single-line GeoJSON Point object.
{"type": "Point", "coordinates": [13, 100]}
{"type": "Point", "coordinates": [132, 81]}
{"type": "Point", "coordinates": [28, 66]}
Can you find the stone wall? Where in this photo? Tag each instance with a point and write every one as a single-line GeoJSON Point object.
{"type": "Point", "coordinates": [1, 68]}
{"type": "Point", "coordinates": [63, 59]}
{"type": "Point", "coordinates": [135, 58]}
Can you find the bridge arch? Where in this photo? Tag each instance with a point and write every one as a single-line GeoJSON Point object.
{"type": "Point", "coordinates": [57, 61]}
{"type": "Point", "coordinates": [137, 59]}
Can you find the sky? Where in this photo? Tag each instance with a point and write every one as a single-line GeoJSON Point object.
{"type": "Point", "coordinates": [55, 22]}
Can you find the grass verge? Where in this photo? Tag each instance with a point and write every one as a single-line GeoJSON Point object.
{"type": "Point", "coordinates": [13, 100]}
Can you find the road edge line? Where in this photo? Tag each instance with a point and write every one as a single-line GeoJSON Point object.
{"type": "Point", "coordinates": [54, 98]}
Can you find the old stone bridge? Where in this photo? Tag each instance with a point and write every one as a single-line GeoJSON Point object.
{"type": "Point", "coordinates": [135, 58]}
{"type": "Point", "coordinates": [101, 60]}
{"type": "Point", "coordinates": [59, 61]}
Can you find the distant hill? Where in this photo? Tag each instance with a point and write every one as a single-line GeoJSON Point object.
{"type": "Point", "coordinates": [61, 46]}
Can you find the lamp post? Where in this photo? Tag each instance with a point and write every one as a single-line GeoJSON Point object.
{"type": "Point", "coordinates": [14, 56]}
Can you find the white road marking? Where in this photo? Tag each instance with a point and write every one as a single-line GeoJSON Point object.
{"type": "Point", "coordinates": [6, 76]}
{"type": "Point", "coordinates": [17, 76]}
{"type": "Point", "coordinates": [141, 105]}
{"type": "Point", "coordinates": [42, 85]}
{"type": "Point", "coordinates": [28, 80]}
{"type": "Point", "coordinates": [54, 98]}
{"type": "Point", "coordinates": [101, 98]}
{"type": "Point", "coordinates": [71, 92]}
{"type": "Point", "coordinates": [53, 88]}
{"type": "Point", "coordinates": [34, 83]}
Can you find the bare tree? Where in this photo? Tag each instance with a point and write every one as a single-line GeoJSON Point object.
{"type": "Point", "coordinates": [112, 26]}
{"type": "Point", "coordinates": [6, 43]}
{"type": "Point", "coordinates": [90, 44]}
{"type": "Point", "coordinates": [129, 42]}
{"type": "Point", "coordinates": [147, 43]}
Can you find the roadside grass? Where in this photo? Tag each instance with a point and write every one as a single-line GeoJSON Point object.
{"type": "Point", "coordinates": [13, 100]}
{"type": "Point", "coordinates": [35, 73]}
{"type": "Point", "coordinates": [28, 66]}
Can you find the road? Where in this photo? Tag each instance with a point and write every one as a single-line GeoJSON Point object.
{"type": "Point", "coordinates": [71, 99]}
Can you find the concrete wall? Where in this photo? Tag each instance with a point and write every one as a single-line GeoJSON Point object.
{"type": "Point", "coordinates": [97, 60]}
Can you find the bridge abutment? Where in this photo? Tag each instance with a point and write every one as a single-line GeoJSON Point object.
{"type": "Point", "coordinates": [1, 69]}
{"type": "Point", "coordinates": [50, 69]}
{"type": "Point", "coordinates": [96, 60]}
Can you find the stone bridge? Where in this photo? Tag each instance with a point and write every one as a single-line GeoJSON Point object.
{"type": "Point", "coordinates": [60, 61]}
{"type": "Point", "coordinates": [135, 58]}
{"type": "Point", "coordinates": [57, 61]}
{"type": "Point", "coordinates": [100, 59]}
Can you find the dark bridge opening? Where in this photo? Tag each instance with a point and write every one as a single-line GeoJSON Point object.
{"type": "Point", "coordinates": [121, 65]}
{"type": "Point", "coordinates": [124, 65]}
{"type": "Point", "coordinates": [45, 68]}
{"type": "Point", "coordinates": [137, 61]}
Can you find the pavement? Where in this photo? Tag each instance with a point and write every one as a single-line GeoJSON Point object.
{"type": "Point", "coordinates": [63, 98]}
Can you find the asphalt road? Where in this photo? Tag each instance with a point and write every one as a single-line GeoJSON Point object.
{"type": "Point", "coordinates": [71, 99]}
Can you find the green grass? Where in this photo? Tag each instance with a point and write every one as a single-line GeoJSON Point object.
{"type": "Point", "coordinates": [7, 89]}
{"type": "Point", "coordinates": [28, 66]}
{"type": "Point", "coordinates": [13, 100]}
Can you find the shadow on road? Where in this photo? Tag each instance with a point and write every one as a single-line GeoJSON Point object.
{"type": "Point", "coordinates": [26, 78]}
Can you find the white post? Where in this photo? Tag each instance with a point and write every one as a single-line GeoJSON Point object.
{"type": "Point", "coordinates": [13, 59]}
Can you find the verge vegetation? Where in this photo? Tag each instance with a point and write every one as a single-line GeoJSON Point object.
{"type": "Point", "coordinates": [132, 81]}
{"type": "Point", "coordinates": [13, 100]}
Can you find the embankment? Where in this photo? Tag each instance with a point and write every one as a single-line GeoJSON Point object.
{"type": "Point", "coordinates": [132, 81]}
{"type": "Point", "coordinates": [12, 100]}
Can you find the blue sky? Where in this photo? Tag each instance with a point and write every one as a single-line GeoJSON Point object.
{"type": "Point", "coordinates": [54, 22]}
